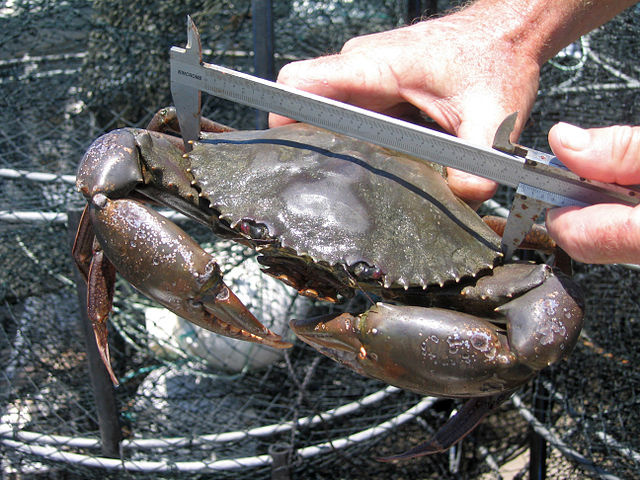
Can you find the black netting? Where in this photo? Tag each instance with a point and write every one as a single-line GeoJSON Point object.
{"type": "Point", "coordinates": [70, 71]}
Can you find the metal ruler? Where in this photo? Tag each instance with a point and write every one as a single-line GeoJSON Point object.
{"type": "Point", "coordinates": [536, 175]}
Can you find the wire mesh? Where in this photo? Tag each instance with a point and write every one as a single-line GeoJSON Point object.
{"type": "Point", "coordinates": [70, 71]}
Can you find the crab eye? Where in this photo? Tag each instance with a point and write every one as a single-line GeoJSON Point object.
{"type": "Point", "coordinates": [366, 272]}
{"type": "Point", "coordinates": [256, 231]}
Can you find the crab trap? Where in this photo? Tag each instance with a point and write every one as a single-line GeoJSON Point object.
{"type": "Point", "coordinates": [192, 404]}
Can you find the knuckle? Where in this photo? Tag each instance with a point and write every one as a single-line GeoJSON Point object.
{"type": "Point", "coordinates": [608, 242]}
{"type": "Point", "coordinates": [351, 44]}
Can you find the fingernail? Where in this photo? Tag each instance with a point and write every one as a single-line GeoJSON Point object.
{"type": "Point", "coordinates": [572, 137]}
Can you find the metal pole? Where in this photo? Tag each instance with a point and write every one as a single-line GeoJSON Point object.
{"type": "Point", "coordinates": [281, 461]}
{"type": "Point", "coordinates": [263, 49]}
{"type": "Point", "coordinates": [430, 9]}
{"type": "Point", "coordinates": [106, 408]}
{"type": "Point", "coordinates": [537, 443]}
{"type": "Point", "coordinates": [415, 11]}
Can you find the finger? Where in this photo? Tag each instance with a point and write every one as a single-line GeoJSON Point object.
{"type": "Point", "coordinates": [609, 154]}
{"type": "Point", "coordinates": [603, 233]}
{"type": "Point", "coordinates": [473, 189]}
{"type": "Point", "coordinates": [353, 79]}
{"type": "Point", "coordinates": [314, 76]}
{"type": "Point", "coordinates": [276, 120]}
{"type": "Point", "coordinates": [307, 75]}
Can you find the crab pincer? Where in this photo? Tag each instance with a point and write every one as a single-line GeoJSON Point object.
{"type": "Point", "coordinates": [164, 263]}
{"type": "Point", "coordinates": [436, 351]}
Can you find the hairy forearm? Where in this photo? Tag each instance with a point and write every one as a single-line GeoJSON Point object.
{"type": "Point", "coordinates": [541, 28]}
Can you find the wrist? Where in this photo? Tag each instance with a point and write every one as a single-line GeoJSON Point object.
{"type": "Point", "coordinates": [538, 29]}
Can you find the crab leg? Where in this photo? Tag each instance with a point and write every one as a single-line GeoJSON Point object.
{"type": "Point", "coordinates": [100, 287]}
{"type": "Point", "coordinates": [449, 353]}
{"type": "Point", "coordinates": [83, 244]}
{"type": "Point", "coordinates": [458, 427]}
{"type": "Point", "coordinates": [536, 239]}
{"type": "Point", "coordinates": [100, 275]}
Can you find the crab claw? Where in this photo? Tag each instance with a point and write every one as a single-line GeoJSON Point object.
{"type": "Point", "coordinates": [365, 345]}
{"type": "Point", "coordinates": [434, 351]}
{"type": "Point", "coordinates": [431, 351]}
{"type": "Point", "coordinates": [167, 265]}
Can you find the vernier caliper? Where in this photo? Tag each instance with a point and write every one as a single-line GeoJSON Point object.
{"type": "Point", "coordinates": [539, 178]}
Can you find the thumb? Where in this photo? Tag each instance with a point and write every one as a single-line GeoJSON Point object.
{"type": "Point", "coordinates": [604, 233]}
{"type": "Point", "coordinates": [610, 154]}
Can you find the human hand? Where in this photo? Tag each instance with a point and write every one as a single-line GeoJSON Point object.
{"type": "Point", "coordinates": [603, 233]}
{"type": "Point", "coordinates": [458, 70]}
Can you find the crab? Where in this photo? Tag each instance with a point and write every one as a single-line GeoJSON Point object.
{"type": "Point", "coordinates": [329, 216]}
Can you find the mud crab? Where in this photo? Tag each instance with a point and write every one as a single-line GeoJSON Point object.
{"type": "Point", "coordinates": [329, 215]}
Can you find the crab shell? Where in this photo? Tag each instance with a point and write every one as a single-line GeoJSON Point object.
{"type": "Point", "coordinates": [322, 205]}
